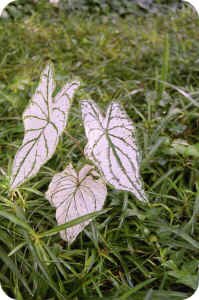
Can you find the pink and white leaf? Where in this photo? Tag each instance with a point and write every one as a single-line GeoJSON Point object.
{"type": "Point", "coordinates": [75, 194]}
{"type": "Point", "coordinates": [44, 121]}
{"type": "Point", "coordinates": [112, 146]}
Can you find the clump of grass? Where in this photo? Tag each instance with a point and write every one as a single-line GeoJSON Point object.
{"type": "Point", "coordinates": [133, 251]}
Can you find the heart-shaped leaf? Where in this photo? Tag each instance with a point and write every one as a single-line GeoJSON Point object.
{"type": "Point", "coordinates": [112, 146]}
{"type": "Point", "coordinates": [75, 194]}
{"type": "Point", "coordinates": [44, 121]}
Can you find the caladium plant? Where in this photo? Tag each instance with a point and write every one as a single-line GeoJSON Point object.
{"type": "Point", "coordinates": [44, 121]}
{"type": "Point", "coordinates": [111, 147]}
{"type": "Point", "coordinates": [75, 194]}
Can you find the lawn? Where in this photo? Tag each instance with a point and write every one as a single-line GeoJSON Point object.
{"type": "Point", "coordinates": [150, 64]}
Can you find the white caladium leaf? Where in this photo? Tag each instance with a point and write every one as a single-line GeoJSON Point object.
{"type": "Point", "coordinates": [112, 146]}
{"type": "Point", "coordinates": [44, 121]}
{"type": "Point", "coordinates": [75, 194]}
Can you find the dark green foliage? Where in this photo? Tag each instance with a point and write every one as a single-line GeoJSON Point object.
{"type": "Point", "coordinates": [121, 7]}
{"type": "Point", "coordinates": [131, 251]}
{"type": "Point", "coordinates": [104, 7]}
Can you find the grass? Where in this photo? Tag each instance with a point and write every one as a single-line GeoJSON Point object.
{"type": "Point", "coordinates": [132, 251]}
